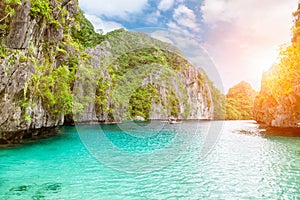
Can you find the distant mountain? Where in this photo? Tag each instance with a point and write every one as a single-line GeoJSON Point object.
{"type": "Point", "coordinates": [240, 101]}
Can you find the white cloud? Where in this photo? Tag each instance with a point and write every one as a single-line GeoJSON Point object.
{"type": "Point", "coordinates": [152, 18]}
{"type": "Point", "coordinates": [174, 27]}
{"type": "Point", "coordinates": [213, 11]}
{"type": "Point", "coordinates": [242, 36]}
{"type": "Point", "coordinates": [165, 5]}
{"type": "Point", "coordinates": [106, 26]}
{"type": "Point", "coordinates": [113, 8]}
{"type": "Point", "coordinates": [186, 17]}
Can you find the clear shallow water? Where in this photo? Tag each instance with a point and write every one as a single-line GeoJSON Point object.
{"type": "Point", "coordinates": [239, 166]}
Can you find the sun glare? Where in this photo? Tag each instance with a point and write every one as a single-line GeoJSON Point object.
{"type": "Point", "coordinates": [263, 61]}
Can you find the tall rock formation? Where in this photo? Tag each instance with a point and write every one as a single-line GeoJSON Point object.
{"type": "Point", "coordinates": [278, 103]}
{"type": "Point", "coordinates": [131, 66]}
{"type": "Point", "coordinates": [31, 33]}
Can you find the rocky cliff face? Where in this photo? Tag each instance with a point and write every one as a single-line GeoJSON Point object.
{"type": "Point", "coordinates": [278, 103]}
{"type": "Point", "coordinates": [178, 88]}
{"type": "Point", "coordinates": [23, 50]}
{"type": "Point", "coordinates": [48, 77]}
{"type": "Point", "coordinates": [277, 108]}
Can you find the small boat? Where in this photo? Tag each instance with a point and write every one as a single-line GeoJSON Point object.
{"type": "Point", "coordinates": [173, 120]}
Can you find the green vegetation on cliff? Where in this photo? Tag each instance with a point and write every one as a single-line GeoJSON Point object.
{"type": "Point", "coordinates": [83, 32]}
{"type": "Point", "coordinates": [55, 52]}
{"type": "Point", "coordinates": [278, 103]}
{"type": "Point", "coordinates": [240, 101]}
{"type": "Point", "coordinates": [218, 101]}
{"type": "Point", "coordinates": [135, 57]}
{"type": "Point", "coordinates": [38, 63]}
{"type": "Point", "coordinates": [7, 10]}
{"type": "Point", "coordinates": [141, 99]}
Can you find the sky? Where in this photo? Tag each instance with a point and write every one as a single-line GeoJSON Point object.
{"type": "Point", "coordinates": [232, 40]}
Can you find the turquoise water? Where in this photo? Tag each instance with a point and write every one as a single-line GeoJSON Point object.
{"type": "Point", "coordinates": [153, 161]}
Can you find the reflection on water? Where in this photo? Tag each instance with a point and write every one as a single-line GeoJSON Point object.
{"type": "Point", "coordinates": [241, 166]}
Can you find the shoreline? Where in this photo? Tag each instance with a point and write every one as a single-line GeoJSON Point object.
{"type": "Point", "coordinates": [11, 139]}
{"type": "Point", "coordinates": [279, 131]}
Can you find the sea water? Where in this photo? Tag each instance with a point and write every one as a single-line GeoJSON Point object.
{"type": "Point", "coordinates": [153, 160]}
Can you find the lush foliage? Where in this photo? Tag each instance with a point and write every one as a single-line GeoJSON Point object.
{"type": "Point", "coordinates": [133, 59]}
{"type": "Point", "coordinates": [55, 71]}
{"type": "Point", "coordinates": [240, 102]}
{"type": "Point", "coordinates": [7, 10]}
{"type": "Point", "coordinates": [53, 87]}
{"type": "Point", "coordinates": [141, 99]}
{"type": "Point", "coordinates": [84, 32]}
{"type": "Point", "coordinates": [40, 8]}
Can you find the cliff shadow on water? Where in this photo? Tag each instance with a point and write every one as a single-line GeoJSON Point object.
{"type": "Point", "coordinates": [12, 139]}
{"type": "Point", "coordinates": [277, 131]}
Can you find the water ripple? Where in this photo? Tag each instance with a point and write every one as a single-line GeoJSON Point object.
{"type": "Point", "coordinates": [241, 166]}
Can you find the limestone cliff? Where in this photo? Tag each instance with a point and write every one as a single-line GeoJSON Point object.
{"type": "Point", "coordinates": [55, 69]}
{"type": "Point", "coordinates": [277, 106]}
{"type": "Point", "coordinates": [278, 103]}
{"type": "Point", "coordinates": [31, 34]}
{"type": "Point", "coordinates": [131, 66]}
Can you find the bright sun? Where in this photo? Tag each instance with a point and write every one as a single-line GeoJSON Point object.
{"type": "Point", "coordinates": [264, 60]}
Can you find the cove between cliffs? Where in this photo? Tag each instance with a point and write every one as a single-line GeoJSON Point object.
{"type": "Point", "coordinates": [16, 138]}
